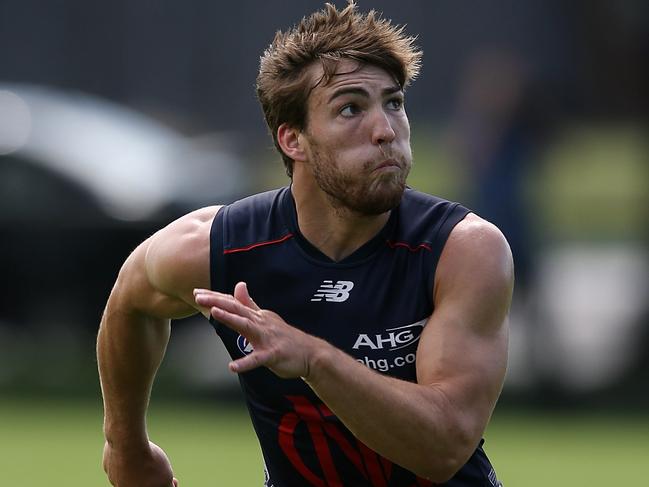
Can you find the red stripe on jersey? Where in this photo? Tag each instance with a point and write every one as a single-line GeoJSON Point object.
{"type": "Point", "coordinates": [313, 420]}
{"type": "Point", "coordinates": [287, 443]}
{"type": "Point", "coordinates": [394, 245]}
{"type": "Point", "coordinates": [258, 244]}
{"type": "Point", "coordinates": [373, 467]}
{"type": "Point", "coordinates": [387, 467]}
{"type": "Point", "coordinates": [345, 446]}
{"type": "Point", "coordinates": [336, 435]}
{"type": "Point", "coordinates": [425, 483]}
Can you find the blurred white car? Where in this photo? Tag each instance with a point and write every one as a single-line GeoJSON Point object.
{"type": "Point", "coordinates": [133, 166]}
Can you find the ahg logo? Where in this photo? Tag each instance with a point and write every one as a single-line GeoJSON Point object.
{"type": "Point", "coordinates": [335, 293]}
{"type": "Point", "coordinates": [393, 338]}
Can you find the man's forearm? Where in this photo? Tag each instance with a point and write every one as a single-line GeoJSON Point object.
{"type": "Point", "coordinates": [130, 347]}
{"type": "Point", "coordinates": [411, 424]}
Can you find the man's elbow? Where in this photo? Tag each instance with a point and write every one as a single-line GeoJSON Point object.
{"type": "Point", "coordinates": [442, 465]}
{"type": "Point", "coordinates": [442, 470]}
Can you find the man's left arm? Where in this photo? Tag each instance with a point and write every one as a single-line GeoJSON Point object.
{"type": "Point", "coordinates": [430, 427]}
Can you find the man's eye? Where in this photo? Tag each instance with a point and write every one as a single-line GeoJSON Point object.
{"type": "Point", "coordinates": [395, 103]}
{"type": "Point", "coordinates": [349, 110]}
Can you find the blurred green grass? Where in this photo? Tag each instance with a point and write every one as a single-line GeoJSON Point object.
{"type": "Point", "coordinates": [59, 442]}
{"type": "Point", "coordinates": [576, 449]}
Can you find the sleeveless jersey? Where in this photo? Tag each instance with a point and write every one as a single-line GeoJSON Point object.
{"type": "Point", "coordinates": [373, 305]}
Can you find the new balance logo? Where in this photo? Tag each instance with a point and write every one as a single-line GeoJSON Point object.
{"type": "Point", "coordinates": [335, 293]}
{"type": "Point", "coordinates": [492, 478]}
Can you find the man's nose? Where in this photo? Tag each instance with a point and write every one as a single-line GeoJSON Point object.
{"type": "Point", "coordinates": [382, 131]}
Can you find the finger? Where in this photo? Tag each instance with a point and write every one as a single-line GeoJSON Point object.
{"type": "Point", "coordinates": [236, 322]}
{"type": "Point", "coordinates": [249, 362]}
{"type": "Point", "coordinates": [199, 290]}
{"type": "Point", "coordinates": [225, 302]}
{"type": "Point", "coordinates": [242, 295]}
{"type": "Point", "coordinates": [207, 292]}
{"type": "Point", "coordinates": [206, 298]}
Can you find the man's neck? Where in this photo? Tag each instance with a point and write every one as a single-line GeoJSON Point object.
{"type": "Point", "coordinates": [336, 232]}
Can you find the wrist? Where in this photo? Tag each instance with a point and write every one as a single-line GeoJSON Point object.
{"type": "Point", "coordinates": [318, 361]}
{"type": "Point", "coordinates": [126, 438]}
{"type": "Point", "coordinates": [130, 448]}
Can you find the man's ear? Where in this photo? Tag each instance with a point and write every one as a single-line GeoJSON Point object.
{"type": "Point", "coordinates": [291, 142]}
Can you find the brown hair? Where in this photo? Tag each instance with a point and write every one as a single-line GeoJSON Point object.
{"type": "Point", "coordinates": [328, 35]}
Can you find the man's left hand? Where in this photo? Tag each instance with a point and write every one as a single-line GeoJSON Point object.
{"type": "Point", "coordinates": [285, 350]}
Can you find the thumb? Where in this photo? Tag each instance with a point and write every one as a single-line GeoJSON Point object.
{"type": "Point", "coordinates": [241, 294]}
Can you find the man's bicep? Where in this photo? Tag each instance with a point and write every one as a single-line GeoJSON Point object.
{"type": "Point", "coordinates": [135, 293]}
{"type": "Point", "coordinates": [160, 275]}
{"type": "Point", "coordinates": [468, 367]}
{"type": "Point", "coordinates": [463, 349]}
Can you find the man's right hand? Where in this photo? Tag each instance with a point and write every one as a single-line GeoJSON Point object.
{"type": "Point", "coordinates": [145, 467]}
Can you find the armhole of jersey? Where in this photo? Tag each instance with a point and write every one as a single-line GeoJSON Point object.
{"type": "Point", "coordinates": [217, 258]}
{"type": "Point", "coordinates": [453, 215]}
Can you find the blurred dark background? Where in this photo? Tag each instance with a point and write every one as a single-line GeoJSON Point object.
{"type": "Point", "coordinates": [116, 118]}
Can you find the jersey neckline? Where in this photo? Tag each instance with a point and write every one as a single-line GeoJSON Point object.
{"type": "Point", "coordinates": [368, 249]}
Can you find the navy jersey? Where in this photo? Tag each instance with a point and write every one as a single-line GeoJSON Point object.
{"type": "Point", "coordinates": [373, 305]}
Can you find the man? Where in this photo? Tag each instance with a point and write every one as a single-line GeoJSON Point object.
{"type": "Point", "coordinates": [375, 347]}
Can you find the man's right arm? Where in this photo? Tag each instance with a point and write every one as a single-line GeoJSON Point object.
{"type": "Point", "coordinates": [154, 285]}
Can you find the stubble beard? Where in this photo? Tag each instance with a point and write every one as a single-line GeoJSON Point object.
{"type": "Point", "coordinates": [364, 193]}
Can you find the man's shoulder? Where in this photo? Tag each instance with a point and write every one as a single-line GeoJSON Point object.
{"type": "Point", "coordinates": [259, 217]}
{"type": "Point", "coordinates": [414, 196]}
{"type": "Point", "coordinates": [478, 237]}
{"type": "Point", "coordinates": [258, 202]}
{"type": "Point", "coordinates": [477, 257]}
{"type": "Point", "coordinates": [427, 218]}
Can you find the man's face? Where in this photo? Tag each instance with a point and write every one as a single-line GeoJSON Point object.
{"type": "Point", "coordinates": [358, 138]}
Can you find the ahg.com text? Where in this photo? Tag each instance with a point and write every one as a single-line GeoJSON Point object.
{"type": "Point", "coordinates": [383, 364]}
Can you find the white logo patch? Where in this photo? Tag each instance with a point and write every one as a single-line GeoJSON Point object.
{"type": "Point", "coordinates": [244, 345]}
{"type": "Point", "coordinates": [393, 338]}
{"type": "Point", "coordinates": [334, 293]}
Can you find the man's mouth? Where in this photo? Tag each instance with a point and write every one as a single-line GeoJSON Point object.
{"type": "Point", "coordinates": [388, 163]}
